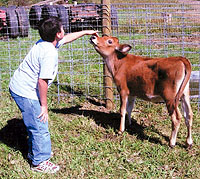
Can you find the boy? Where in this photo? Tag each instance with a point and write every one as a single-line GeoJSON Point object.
{"type": "Point", "coordinates": [29, 86]}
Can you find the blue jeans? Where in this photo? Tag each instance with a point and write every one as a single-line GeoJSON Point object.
{"type": "Point", "coordinates": [39, 142]}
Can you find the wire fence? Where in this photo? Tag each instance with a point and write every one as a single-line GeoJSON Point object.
{"type": "Point", "coordinates": [162, 30]}
{"type": "Point", "coordinates": [155, 30]}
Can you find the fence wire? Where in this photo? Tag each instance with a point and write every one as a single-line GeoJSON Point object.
{"type": "Point", "coordinates": [162, 30]}
{"type": "Point", "coordinates": [155, 30]}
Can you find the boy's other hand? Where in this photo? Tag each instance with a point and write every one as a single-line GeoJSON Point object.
{"type": "Point", "coordinates": [44, 114]}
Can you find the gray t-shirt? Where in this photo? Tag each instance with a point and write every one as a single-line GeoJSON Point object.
{"type": "Point", "coordinates": [40, 62]}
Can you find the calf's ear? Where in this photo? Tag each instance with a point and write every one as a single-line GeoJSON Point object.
{"type": "Point", "coordinates": [124, 48]}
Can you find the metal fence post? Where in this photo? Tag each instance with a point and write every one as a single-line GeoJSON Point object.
{"type": "Point", "coordinates": [108, 91]}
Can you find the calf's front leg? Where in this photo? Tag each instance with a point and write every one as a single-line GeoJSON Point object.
{"type": "Point", "coordinates": [123, 99]}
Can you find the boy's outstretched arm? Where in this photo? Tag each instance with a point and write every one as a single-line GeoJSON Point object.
{"type": "Point", "coordinates": [75, 35]}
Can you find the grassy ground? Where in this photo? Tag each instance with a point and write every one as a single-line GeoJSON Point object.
{"type": "Point", "coordinates": [84, 134]}
{"type": "Point", "coordinates": [86, 144]}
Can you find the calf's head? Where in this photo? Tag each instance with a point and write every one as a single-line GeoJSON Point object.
{"type": "Point", "coordinates": [106, 46]}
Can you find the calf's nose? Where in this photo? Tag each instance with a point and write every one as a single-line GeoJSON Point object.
{"type": "Point", "coordinates": [93, 37]}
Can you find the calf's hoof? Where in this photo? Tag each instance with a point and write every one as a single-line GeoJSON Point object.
{"type": "Point", "coordinates": [171, 146]}
{"type": "Point", "coordinates": [189, 146]}
{"type": "Point", "coordinates": [120, 132]}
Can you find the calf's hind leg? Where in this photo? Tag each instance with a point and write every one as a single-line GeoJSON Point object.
{"type": "Point", "coordinates": [188, 115]}
{"type": "Point", "coordinates": [176, 120]}
{"type": "Point", "coordinates": [129, 107]}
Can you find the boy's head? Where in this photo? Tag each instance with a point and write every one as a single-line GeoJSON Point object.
{"type": "Point", "coordinates": [49, 27]}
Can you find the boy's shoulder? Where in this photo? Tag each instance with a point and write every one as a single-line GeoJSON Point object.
{"type": "Point", "coordinates": [50, 44]}
{"type": "Point", "coordinates": [39, 41]}
{"type": "Point", "coordinates": [42, 42]}
{"type": "Point", "coordinates": [44, 46]}
{"type": "Point", "coordinates": [41, 49]}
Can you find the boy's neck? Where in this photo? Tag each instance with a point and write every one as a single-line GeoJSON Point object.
{"type": "Point", "coordinates": [54, 42]}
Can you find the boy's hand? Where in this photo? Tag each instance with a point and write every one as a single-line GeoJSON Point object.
{"type": "Point", "coordinates": [92, 32]}
{"type": "Point", "coordinates": [75, 35]}
{"type": "Point", "coordinates": [44, 114]}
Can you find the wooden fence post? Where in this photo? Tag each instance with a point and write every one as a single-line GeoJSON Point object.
{"type": "Point", "coordinates": [108, 90]}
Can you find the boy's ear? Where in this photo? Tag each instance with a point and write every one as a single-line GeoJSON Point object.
{"type": "Point", "coordinates": [59, 35]}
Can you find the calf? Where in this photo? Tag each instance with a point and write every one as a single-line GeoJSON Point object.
{"type": "Point", "coordinates": [151, 79]}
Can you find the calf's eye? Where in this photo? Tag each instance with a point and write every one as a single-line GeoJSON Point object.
{"type": "Point", "coordinates": [109, 41]}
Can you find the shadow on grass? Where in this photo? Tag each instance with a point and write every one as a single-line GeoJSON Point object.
{"type": "Point", "coordinates": [14, 135]}
{"type": "Point", "coordinates": [112, 120]}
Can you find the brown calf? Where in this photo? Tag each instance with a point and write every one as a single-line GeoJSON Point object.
{"type": "Point", "coordinates": [151, 79]}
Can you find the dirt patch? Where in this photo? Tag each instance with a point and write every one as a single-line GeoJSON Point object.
{"type": "Point", "coordinates": [189, 41]}
{"type": "Point", "coordinates": [194, 4]}
{"type": "Point", "coordinates": [193, 12]}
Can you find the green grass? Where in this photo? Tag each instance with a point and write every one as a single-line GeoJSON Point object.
{"type": "Point", "coordinates": [86, 144]}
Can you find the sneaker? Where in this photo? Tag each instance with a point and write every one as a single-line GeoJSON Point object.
{"type": "Point", "coordinates": [46, 167]}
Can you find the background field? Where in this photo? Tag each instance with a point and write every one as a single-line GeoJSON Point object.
{"type": "Point", "coordinates": [84, 134]}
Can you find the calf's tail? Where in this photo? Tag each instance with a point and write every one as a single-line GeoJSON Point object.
{"type": "Point", "coordinates": [188, 70]}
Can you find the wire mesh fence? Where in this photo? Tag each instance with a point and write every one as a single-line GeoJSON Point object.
{"type": "Point", "coordinates": [162, 30]}
{"type": "Point", "coordinates": [155, 30]}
